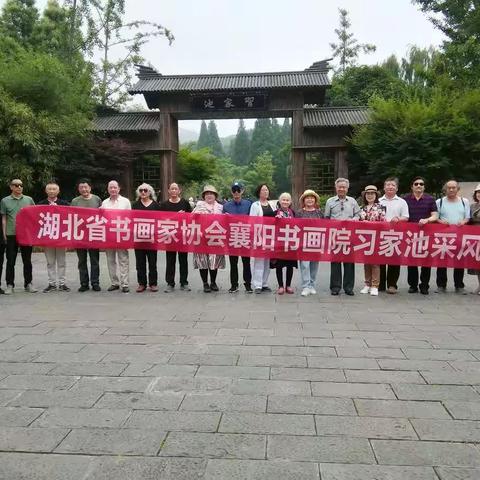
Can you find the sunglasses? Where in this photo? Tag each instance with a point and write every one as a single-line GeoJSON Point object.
{"type": "Point", "coordinates": [236, 190]}
{"type": "Point", "coordinates": [418, 184]}
{"type": "Point", "coordinates": [17, 185]}
{"type": "Point", "coordinates": [145, 190]}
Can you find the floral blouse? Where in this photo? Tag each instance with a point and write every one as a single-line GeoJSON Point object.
{"type": "Point", "coordinates": [373, 213]}
{"type": "Point", "coordinates": [281, 213]}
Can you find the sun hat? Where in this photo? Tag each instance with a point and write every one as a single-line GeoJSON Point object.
{"type": "Point", "coordinates": [309, 193]}
{"type": "Point", "coordinates": [370, 188]}
{"type": "Point", "coordinates": [209, 188]}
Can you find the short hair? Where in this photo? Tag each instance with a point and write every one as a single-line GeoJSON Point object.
{"type": "Point", "coordinates": [257, 190]}
{"type": "Point", "coordinates": [391, 179]}
{"type": "Point", "coordinates": [150, 189]}
{"type": "Point", "coordinates": [418, 178]}
{"type": "Point", "coordinates": [285, 195]}
{"type": "Point", "coordinates": [84, 180]}
{"type": "Point", "coordinates": [52, 182]}
{"type": "Point", "coordinates": [170, 184]}
{"type": "Point", "coordinates": [342, 180]}
{"type": "Point", "coordinates": [114, 180]}
{"type": "Point", "coordinates": [474, 196]}
{"type": "Point", "coordinates": [364, 197]}
{"type": "Point", "coordinates": [444, 188]}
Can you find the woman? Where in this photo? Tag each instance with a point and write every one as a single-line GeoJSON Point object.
{"type": "Point", "coordinates": [146, 200]}
{"type": "Point", "coordinates": [261, 266]}
{"type": "Point", "coordinates": [310, 208]}
{"type": "Point", "coordinates": [475, 220]}
{"type": "Point", "coordinates": [284, 210]}
{"type": "Point", "coordinates": [207, 262]}
{"type": "Point", "coordinates": [371, 211]}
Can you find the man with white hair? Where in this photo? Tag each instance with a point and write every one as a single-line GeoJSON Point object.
{"type": "Point", "coordinates": [117, 259]}
{"type": "Point", "coordinates": [342, 207]}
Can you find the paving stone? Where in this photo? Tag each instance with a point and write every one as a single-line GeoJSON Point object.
{"type": "Point", "coordinates": [214, 445]}
{"type": "Point", "coordinates": [400, 409]}
{"type": "Point", "coordinates": [283, 341]}
{"type": "Point", "coordinates": [449, 473]}
{"type": "Point", "coordinates": [349, 363]}
{"type": "Point", "coordinates": [415, 365]}
{"type": "Point", "coordinates": [22, 439]}
{"type": "Point", "coordinates": [224, 403]}
{"type": "Point", "coordinates": [18, 416]}
{"type": "Point", "coordinates": [111, 384]}
{"type": "Point", "coordinates": [149, 370]}
{"type": "Point", "coordinates": [105, 441]}
{"type": "Point", "coordinates": [89, 369]}
{"type": "Point", "coordinates": [255, 373]}
{"type": "Point", "coordinates": [238, 350]}
{"type": "Point", "coordinates": [16, 368]}
{"type": "Point", "coordinates": [398, 452]}
{"type": "Point", "coordinates": [352, 390]}
{"type": "Point", "coordinates": [370, 352]}
{"type": "Point", "coordinates": [178, 385]}
{"type": "Point", "coordinates": [140, 401]}
{"type": "Point", "coordinates": [199, 359]}
{"type": "Point", "coordinates": [308, 374]}
{"type": "Point", "coordinates": [330, 471]}
{"type": "Point", "coordinates": [305, 351]}
{"type": "Point", "coordinates": [463, 410]}
{"type": "Point", "coordinates": [220, 469]}
{"type": "Point", "coordinates": [58, 398]}
{"type": "Point", "coordinates": [213, 340]}
{"type": "Point", "coordinates": [6, 396]}
{"type": "Point", "coordinates": [273, 361]}
{"type": "Point", "coordinates": [82, 417]}
{"type": "Point", "coordinates": [365, 427]}
{"type": "Point", "coordinates": [38, 382]}
{"type": "Point", "coordinates": [337, 449]}
{"type": "Point", "coordinates": [383, 376]}
{"type": "Point", "coordinates": [265, 423]}
{"type": "Point", "coordinates": [447, 430]}
{"type": "Point", "coordinates": [174, 421]}
{"type": "Point", "coordinates": [452, 378]}
{"type": "Point", "coordinates": [435, 392]}
{"type": "Point", "coordinates": [270, 387]}
{"type": "Point", "coordinates": [310, 405]}
{"type": "Point", "coordinates": [442, 355]}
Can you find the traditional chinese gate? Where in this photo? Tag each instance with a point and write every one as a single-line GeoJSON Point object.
{"type": "Point", "coordinates": [299, 95]}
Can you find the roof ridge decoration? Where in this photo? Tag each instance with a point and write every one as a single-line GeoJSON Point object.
{"type": "Point", "coordinates": [320, 66]}
{"type": "Point", "coordinates": [146, 71]}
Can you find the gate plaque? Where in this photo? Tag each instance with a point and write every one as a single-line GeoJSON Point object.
{"type": "Point", "coordinates": [226, 102]}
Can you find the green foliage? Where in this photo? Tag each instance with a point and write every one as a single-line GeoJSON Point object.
{"type": "Point", "coordinates": [214, 140]}
{"type": "Point", "coordinates": [262, 138]}
{"type": "Point", "coordinates": [204, 137]}
{"type": "Point", "coordinates": [241, 146]}
{"type": "Point", "coordinates": [347, 49]}
{"type": "Point", "coordinates": [18, 20]}
{"type": "Point", "coordinates": [261, 171]}
{"type": "Point", "coordinates": [195, 165]}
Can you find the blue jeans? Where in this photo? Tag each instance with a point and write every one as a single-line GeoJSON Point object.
{"type": "Point", "coordinates": [308, 272]}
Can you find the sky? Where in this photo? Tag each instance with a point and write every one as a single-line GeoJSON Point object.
{"type": "Point", "coordinates": [236, 36]}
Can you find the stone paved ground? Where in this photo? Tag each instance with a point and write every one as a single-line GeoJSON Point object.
{"type": "Point", "coordinates": [192, 386]}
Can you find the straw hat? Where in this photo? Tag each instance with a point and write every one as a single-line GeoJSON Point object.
{"type": "Point", "coordinates": [211, 189]}
{"type": "Point", "coordinates": [309, 193]}
{"type": "Point", "coordinates": [477, 188]}
{"type": "Point", "coordinates": [370, 188]}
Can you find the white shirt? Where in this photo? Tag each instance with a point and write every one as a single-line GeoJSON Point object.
{"type": "Point", "coordinates": [121, 203]}
{"type": "Point", "coordinates": [394, 207]}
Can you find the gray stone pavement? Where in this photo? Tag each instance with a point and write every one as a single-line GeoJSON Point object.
{"type": "Point", "coordinates": [190, 385]}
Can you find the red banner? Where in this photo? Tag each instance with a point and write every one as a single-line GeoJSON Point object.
{"type": "Point", "coordinates": [433, 245]}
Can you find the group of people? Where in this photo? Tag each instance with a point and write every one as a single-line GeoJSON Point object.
{"type": "Point", "coordinates": [417, 207]}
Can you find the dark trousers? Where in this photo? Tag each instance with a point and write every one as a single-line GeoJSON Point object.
{"type": "Point", "coordinates": [424, 277]}
{"type": "Point", "coordinates": [288, 277]}
{"type": "Point", "coordinates": [336, 276]}
{"type": "Point", "coordinates": [2, 256]}
{"type": "Point", "coordinates": [141, 258]}
{"type": "Point", "coordinates": [170, 268]}
{"type": "Point", "coordinates": [458, 274]}
{"type": "Point", "coordinates": [247, 273]}
{"type": "Point", "coordinates": [26, 252]}
{"type": "Point", "coordinates": [389, 275]}
{"type": "Point", "coordinates": [94, 266]}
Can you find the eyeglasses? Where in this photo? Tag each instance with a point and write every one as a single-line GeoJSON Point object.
{"type": "Point", "coordinates": [17, 185]}
{"type": "Point", "coordinates": [144, 190]}
{"type": "Point", "coordinates": [418, 184]}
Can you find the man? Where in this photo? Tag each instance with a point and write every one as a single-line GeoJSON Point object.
{"type": "Point", "coordinates": [396, 210]}
{"type": "Point", "coordinates": [9, 208]}
{"type": "Point", "coordinates": [239, 206]}
{"type": "Point", "coordinates": [117, 258]}
{"type": "Point", "coordinates": [55, 256]}
{"type": "Point", "coordinates": [422, 209]}
{"type": "Point", "coordinates": [342, 207]}
{"type": "Point", "coordinates": [2, 255]}
{"type": "Point", "coordinates": [452, 210]}
{"type": "Point", "coordinates": [176, 203]}
{"type": "Point", "coordinates": [87, 200]}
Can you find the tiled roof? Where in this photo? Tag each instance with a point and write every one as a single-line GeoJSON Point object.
{"type": "Point", "coordinates": [128, 122]}
{"type": "Point", "coordinates": [335, 116]}
{"type": "Point", "coordinates": [151, 81]}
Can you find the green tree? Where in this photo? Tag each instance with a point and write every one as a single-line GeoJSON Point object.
{"type": "Point", "coordinates": [262, 140]}
{"type": "Point", "coordinates": [261, 170]}
{"type": "Point", "coordinates": [204, 137]}
{"type": "Point", "coordinates": [195, 165]}
{"type": "Point", "coordinates": [347, 49]}
{"type": "Point", "coordinates": [18, 20]}
{"type": "Point", "coordinates": [215, 143]}
{"type": "Point", "coordinates": [241, 145]}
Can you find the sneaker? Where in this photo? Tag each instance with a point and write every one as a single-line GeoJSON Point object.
{"type": "Point", "coordinates": [2, 291]}
{"type": "Point", "coordinates": [280, 291]}
{"type": "Point", "coordinates": [185, 288]}
{"type": "Point", "coordinates": [30, 288]}
{"type": "Point", "coordinates": [350, 293]}
{"type": "Point", "coordinates": [365, 289]}
{"type": "Point", "coordinates": [312, 291]}
{"type": "Point", "coordinates": [63, 288]}
{"type": "Point", "coordinates": [391, 290]}
{"type": "Point", "coordinates": [266, 289]}
{"type": "Point", "coordinates": [413, 290]}
{"type": "Point", "coordinates": [305, 292]}
{"type": "Point", "coordinates": [84, 288]}
{"type": "Point", "coordinates": [424, 291]}
{"type": "Point", "coordinates": [112, 288]}
{"type": "Point", "coordinates": [214, 287]}
{"type": "Point", "coordinates": [50, 288]}
{"type": "Point", "coordinates": [141, 288]}
{"type": "Point", "coordinates": [9, 290]}
{"type": "Point", "coordinates": [290, 290]}
{"type": "Point", "coordinates": [96, 287]}
{"type": "Point", "coordinates": [169, 289]}
{"type": "Point", "coordinates": [258, 291]}
{"type": "Point", "coordinates": [206, 288]}
{"type": "Point", "coordinates": [461, 291]}
{"type": "Point", "coordinates": [334, 292]}
{"type": "Point", "coordinates": [125, 289]}
{"type": "Point", "coordinates": [153, 288]}
{"type": "Point", "coordinates": [441, 290]}
{"type": "Point", "coordinates": [374, 292]}
{"type": "Point", "coordinates": [248, 288]}
{"type": "Point", "coordinates": [233, 289]}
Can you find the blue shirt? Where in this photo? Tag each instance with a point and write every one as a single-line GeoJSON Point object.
{"type": "Point", "coordinates": [237, 208]}
{"type": "Point", "coordinates": [453, 212]}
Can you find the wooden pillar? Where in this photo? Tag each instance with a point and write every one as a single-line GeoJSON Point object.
{"type": "Point", "coordinates": [341, 164]}
{"type": "Point", "coordinates": [298, 156]}
{"type": "Point", "coordinates": [168, 154]}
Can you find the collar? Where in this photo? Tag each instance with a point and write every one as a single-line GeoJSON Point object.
{"type": "Point", "coordinates": [17, 198]}
{"type": "Point", "coordinates": [396, 197]}
{"type": "Point", "coordinates": [338, 199]}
